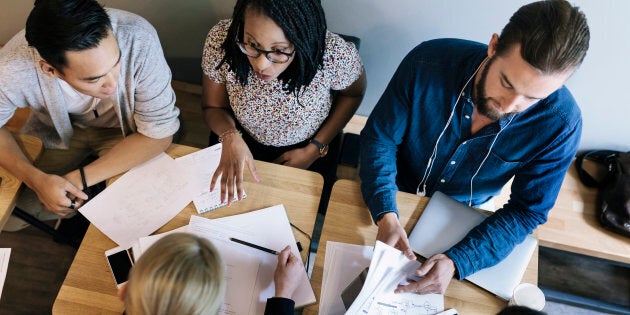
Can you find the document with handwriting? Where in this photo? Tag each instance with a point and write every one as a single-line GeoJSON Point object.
{"type": "Point", "coordinates": [140, 202]}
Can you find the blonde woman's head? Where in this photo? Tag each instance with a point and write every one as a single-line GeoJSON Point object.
{"type": "Point", "coordinates": [180, 274]}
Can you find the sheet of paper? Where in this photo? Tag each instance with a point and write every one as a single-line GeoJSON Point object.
{"type": "Point", "coordinates": [407, 303]}
{"type": "Point", "coordinates": [5, 254]}
{"type": "Point", "coordinates": [241, 269]}
{"type": "Point", "coordinates": [342, 263]}
{"type": "Point", "coordinates": [388, 268]}
{"type": "Point", "coordinates": [200, 167]}
{"type": "Point", "coordinates": [140, 202]}
{"type": "Point", "coordinates": [269, 228]}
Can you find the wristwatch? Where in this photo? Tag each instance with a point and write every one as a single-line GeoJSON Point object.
{"type": "Point", "coordinates": [323, 148]}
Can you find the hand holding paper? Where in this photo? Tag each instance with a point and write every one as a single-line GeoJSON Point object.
{"type": "Point", "coordinates": [388, 268]}
{"type": "Point", "coordinates": [436, 274]}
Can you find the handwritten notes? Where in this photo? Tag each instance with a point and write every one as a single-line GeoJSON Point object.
{"type": "Point", "coordinates": [140, 202]}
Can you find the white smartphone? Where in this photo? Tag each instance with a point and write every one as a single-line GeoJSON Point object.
{"type": "Point", "coordinates": [120, 262]}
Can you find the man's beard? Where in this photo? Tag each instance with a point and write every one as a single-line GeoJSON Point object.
{"type": "Point", "coordinates": [480, 99]}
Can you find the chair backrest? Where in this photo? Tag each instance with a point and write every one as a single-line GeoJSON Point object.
{"type": "Point", "coordinates": [352, 39]}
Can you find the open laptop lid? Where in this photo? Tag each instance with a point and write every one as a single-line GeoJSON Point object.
{"type": "Point", "coordinates": [445, 222]}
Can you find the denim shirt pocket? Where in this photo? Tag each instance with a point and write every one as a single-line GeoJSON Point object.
{"type": "Point", "coordinates": [496, 172]}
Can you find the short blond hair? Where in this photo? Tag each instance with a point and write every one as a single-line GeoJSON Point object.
{"type": "Point", "coordinates": [180, 274]}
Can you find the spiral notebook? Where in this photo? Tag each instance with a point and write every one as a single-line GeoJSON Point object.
{"type": "Point", "coordinates": [445, 221]}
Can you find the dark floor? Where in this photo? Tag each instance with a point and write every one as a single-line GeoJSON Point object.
{"type": "Point", "coordinates": [37, 268]}
{"type": "Point", "coordinates": [589, 282]}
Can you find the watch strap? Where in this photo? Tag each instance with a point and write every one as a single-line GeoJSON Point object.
{"type": "Point", "coordinates": [322, 147]}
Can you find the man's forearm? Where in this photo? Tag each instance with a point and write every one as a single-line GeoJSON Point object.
{"type": "Point", "coordinates": [131, 151]}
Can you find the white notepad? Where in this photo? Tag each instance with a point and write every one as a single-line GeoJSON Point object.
{"type": "Point", "coordinates": [199, 168]}
{"type": "Point", "coordinates": [445, 222]}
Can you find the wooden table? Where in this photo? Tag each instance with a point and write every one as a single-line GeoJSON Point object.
{"type": "Point", "coordinates": [348, 220]}
{"type": "Point", "coordinates": [572, 223]}
{"type": "Point", "coordinates": [89, 287]}
{"type": "Point", "coordinates": [10, 186]}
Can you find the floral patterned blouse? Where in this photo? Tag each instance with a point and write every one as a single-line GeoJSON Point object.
{"type": "Point", "coordinates": [270, 115]}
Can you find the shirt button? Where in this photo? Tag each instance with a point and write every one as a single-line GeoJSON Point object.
{"type": "Point", "coordinates": [467, 117]}
{"type": "Point", "coordinates": [442, 180]}
{"type": "Point", "coordinates": [453, 162]}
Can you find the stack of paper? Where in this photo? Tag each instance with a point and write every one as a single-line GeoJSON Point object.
{"type": "Point", "coordinates": [389, 268]}
{"type": "Point", "coordinates": [342, 263]}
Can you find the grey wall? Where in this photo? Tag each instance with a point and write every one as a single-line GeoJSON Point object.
{"type": "Point", "coordinates": [389, 29]}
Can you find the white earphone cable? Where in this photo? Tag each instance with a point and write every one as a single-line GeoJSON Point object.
{"type": "Point", "coordinates": [485, 158]}
{"type": "Point", "coordinates": [427, 170]}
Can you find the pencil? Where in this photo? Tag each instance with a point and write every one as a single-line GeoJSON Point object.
{"type": "Point", "coordinates": [264, 249]}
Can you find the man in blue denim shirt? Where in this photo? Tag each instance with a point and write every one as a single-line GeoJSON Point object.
{"type": "Point", "coordinates": [463, 118]}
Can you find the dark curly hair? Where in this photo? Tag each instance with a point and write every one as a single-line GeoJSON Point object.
{"type": "Point", "coordinates": [304, 25]}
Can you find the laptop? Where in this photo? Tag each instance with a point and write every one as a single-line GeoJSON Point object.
{"type": "Point", "coordinates": [446, 221]}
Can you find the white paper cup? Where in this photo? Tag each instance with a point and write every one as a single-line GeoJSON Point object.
{"type": "Point", "coordinates": [529, 295]}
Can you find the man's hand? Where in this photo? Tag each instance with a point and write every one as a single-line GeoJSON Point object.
{"type": "Point", "coordinates": [299, 158]}
{"type": "Point", "coordinates": [289, 273]}
{"type": "Point", "coordinates": [437, 273]}
{"type": "Point", "coordinates": [392, 233]}
{"type": "Point", "coordinates": [57, 194]}
{"type": "Point", "coordinates": [234, 156]}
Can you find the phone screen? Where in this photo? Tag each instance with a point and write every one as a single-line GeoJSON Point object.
{"type": "Point", "coordinates": [120, 264]}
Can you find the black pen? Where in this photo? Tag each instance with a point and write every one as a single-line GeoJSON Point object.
{"type": "Point", "coordinates": [264, 249]}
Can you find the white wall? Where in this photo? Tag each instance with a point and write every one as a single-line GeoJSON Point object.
{"type": "Point", "coordinates": [389, 29]}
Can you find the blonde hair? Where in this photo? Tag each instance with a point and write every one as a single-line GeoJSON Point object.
{"type": "Point", "coordinates": [180, 274]}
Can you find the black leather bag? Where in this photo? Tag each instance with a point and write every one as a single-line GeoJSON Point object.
{"type": "Point", "coordinates": [614, 188]}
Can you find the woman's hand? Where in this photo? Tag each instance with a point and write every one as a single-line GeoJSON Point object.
{"type": "Point", "coordinates": [234, 156]}
{"type": "Point", "coordinates": [300, 158]}
{"type": "Point", "coordinates": [289, 274]}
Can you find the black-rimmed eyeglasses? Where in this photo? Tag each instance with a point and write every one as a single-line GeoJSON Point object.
{"type": "Point", "coordinates": [274, 56]}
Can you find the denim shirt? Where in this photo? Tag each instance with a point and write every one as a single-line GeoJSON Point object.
{"type": "Point", "coordinates": [535, 147]}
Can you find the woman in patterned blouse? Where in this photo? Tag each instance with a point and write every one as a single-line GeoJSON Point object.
{"type": "Point", "coordinates": [268, 76]}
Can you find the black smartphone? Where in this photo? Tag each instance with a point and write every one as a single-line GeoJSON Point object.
{"type": "Point", "coordinates": [120, 262]}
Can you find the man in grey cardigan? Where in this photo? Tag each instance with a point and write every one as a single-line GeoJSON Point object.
{"type": "Point", "coordinates": [96, 81]}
